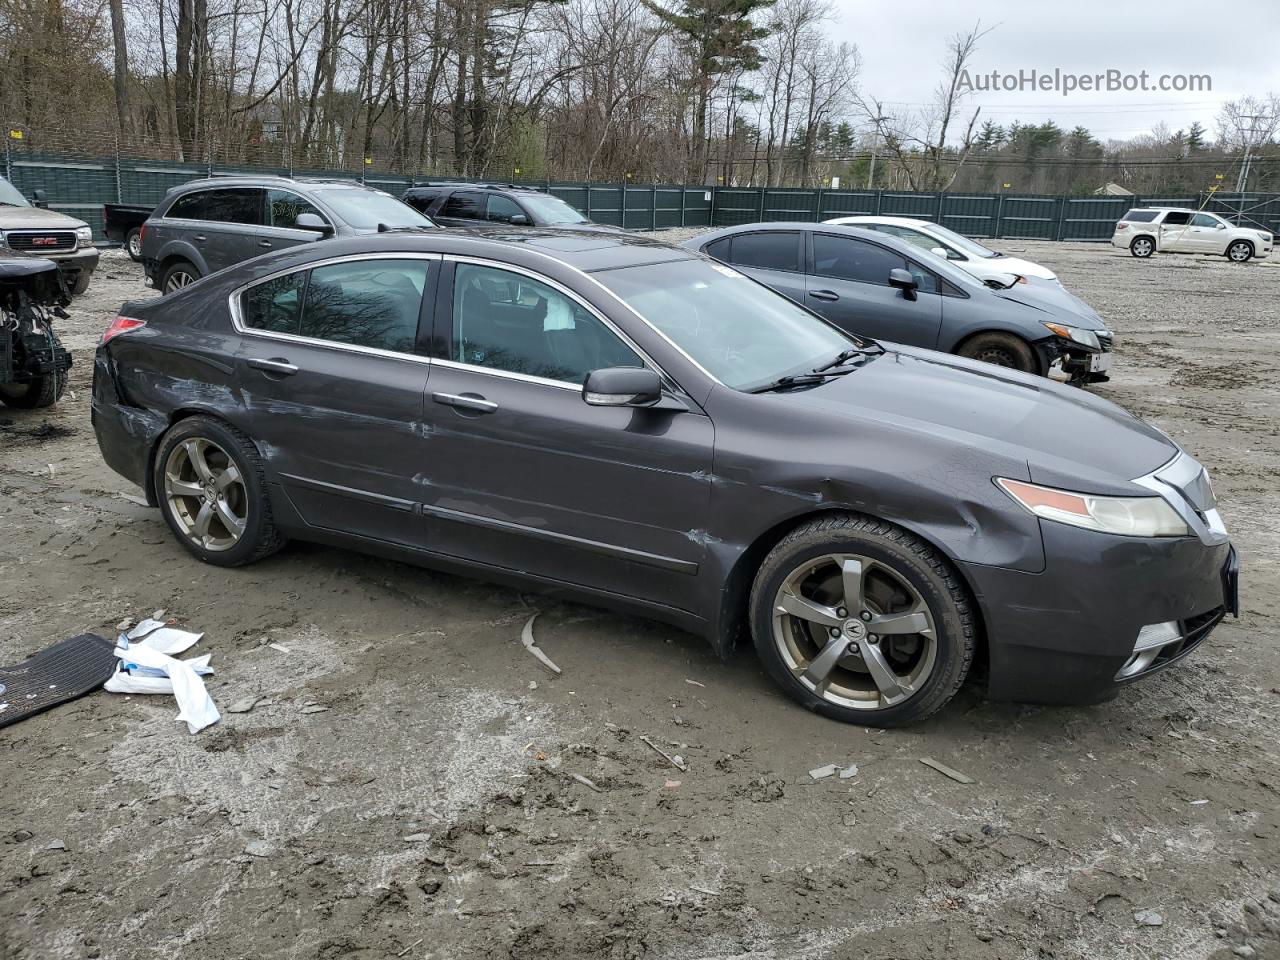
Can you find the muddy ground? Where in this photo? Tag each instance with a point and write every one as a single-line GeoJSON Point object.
{"type": "Point", "coordinates": [403, 785]}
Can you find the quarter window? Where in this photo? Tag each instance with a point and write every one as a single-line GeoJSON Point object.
{"type": "Point", "coordinates": [843, 258]}
{"type": "Point", "coordinates": [284, 208]}
{"type": "Point", "coordinates": [767, 251]}
{"type": "Point", "coordinates": [189, 207]}
{"type": "Point", "coordinates": [507, 321]}
{"type": "Point", "coordinates": [464, 206]}
{"type": "Point", "coordinates": [366, 303]}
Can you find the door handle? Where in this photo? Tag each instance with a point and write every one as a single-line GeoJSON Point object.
{"type": "Point", "coordinates": [824, 295]}
{"type": "Point", "coordinates": [264, 243]}
{"type": "Point", "coordinates": [275, 365]}
{"type": "Point", "coordinates": [465, 401]}
{"type": "Point", "coordinates": [200, 238]}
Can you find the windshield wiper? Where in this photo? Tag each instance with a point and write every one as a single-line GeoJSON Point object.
{"type": "Point", "coordinates": [794, 380]}
{"type": "Point", "coordinates": [844, 356]}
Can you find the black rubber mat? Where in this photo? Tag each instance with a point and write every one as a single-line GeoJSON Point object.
{"type": "Point", "coordinates": [68, 669]}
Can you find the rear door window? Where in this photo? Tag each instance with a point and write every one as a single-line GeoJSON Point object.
{"type": "Point", "coordinates": [844, 258]}
{"type": "Point", "coordinates": [1177, 218]}
{"type": "Point", "coordinates": [464, 205]}
{"type": "Point", "coordinates": [767, 251]}
{"type": "Point", "coordinates": [238, 205]}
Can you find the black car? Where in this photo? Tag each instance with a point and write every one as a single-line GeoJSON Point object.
{"type": "Point", "coordinates": [486, 204]}
{"type": "Point", "coordinates": [647, 428]}
{"type": "Point", "coordinates": [33, 361]}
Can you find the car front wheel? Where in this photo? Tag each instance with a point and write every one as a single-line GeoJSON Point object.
{"type": "Point", "coordinates": [211, 486]}
{"type": "Point", "coordinates": [861, 621]}
{"type": "Point", "coordinates": [1142, 247]}
{"type": "Point", "coordinates": [1240, 251]}
{"type": "Point", "coordinates": [1002, 349]}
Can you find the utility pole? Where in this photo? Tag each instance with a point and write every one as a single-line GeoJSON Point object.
{"type": "Point", "coordinates": [1256, 119]}
{"type": "Point", "coordinates": [875, 142]}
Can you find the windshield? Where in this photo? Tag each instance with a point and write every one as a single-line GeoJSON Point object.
{"type": "Point", "coordinates": [365, 209]}
{"type": "Point", "coordinates": [552, 210]}
{"type": "Point", "coordinates": [971, 247]}
{"type": "Point", "coordinates": [9, 195]}
{"type": "Point", "coordinates": [740, 331]}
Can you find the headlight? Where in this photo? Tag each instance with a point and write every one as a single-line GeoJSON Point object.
{"type": "Point", "coordinates": [1264, 235]}
{"type": "Point", "coordinates": [84, 236]}
{"type": "Point", "coordinates": [1124, 516]}
{"type": "Point", "coordinates": [1086, 337]}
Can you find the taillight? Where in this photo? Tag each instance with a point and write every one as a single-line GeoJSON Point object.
{"type": "Point", "coordinates": [142, 235]}
{"type": "Point", "coordinates": [1121, 226]}
{"type": "Point", "coordinates": [121, 325]}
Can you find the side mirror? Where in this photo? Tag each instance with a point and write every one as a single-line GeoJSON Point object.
{"type": "Point", "coordinates": [519, 220]}
{"type": "Point", "coordinates": [942, 252]}
{"type": "Point", "coordinates": [904, 281]}
{"type": "Point", "coordinates": [622, 387]}
{"type": "Point", "coordinates": [312, 221]}
{"type": "Point", "coordinates": [1219, 226]}
{"type": "Point", "coordinates": [42, 198]}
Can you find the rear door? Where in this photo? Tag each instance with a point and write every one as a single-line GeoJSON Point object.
{"type": "Point", "coordinates": [774, 257]}
{"type": "Point", "coordinates": [525, 475]}
{"type": "Point", "coordinates": [281, 228]}
{"type": "Point", "coordinates": [1175, 232]}
{"type": "Point", "coordinates": [463, 208]}
{"type": "Point", "coordinates": [230, 233]}
{"type": "Point", "coordinates": [848, 283]}
{"type": "Point", "coordinates": [333, 379]}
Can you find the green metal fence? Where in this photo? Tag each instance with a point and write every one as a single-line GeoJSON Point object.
{"type": "Point", "coordinates": [81, 184]}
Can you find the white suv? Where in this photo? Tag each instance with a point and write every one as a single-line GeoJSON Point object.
{"type": "Point", "coordinates": [1178, 230]}
{"type": "Point", "coordinates": [969, 255]}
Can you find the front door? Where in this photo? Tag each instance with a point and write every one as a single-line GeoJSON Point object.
{"type": "Point", "coordinates": [280, 227]}
{"type": "Point", "coordinates": [848, 283]}
{"type": "Point", "coordinates": [1207, 234]}
{"type": "Point", "coordinates": [523, 474]}
{"type": "Point", "coordinates": [334, 383]}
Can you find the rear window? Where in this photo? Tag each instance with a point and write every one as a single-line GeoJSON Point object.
{"type": "Point", "coordinates": [1139, 216]}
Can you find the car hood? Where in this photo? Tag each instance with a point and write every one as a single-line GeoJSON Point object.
{"type": "Point", "coordinates": [1050, 297]}
{"type": "Point", "coordinates": [1013, 265]}
{"type": "Point", "coordinates": [36, 218]}
{"type": "Point", "coordinates": [1059, 431]}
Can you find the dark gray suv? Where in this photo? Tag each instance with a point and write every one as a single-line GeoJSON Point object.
{"type": "Point", "coordinates": [205, 225]}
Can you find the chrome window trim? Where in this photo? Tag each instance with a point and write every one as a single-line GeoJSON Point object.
{"type": "Point", "coordinates": [509, 375]}
{"type": "Point", "coordinates": [237, 320]}
{"type": "Point", "coordinates": [575, 297]}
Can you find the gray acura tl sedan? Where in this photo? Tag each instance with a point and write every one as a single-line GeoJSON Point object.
{"type": "Point", "coordinates": [643, 427]}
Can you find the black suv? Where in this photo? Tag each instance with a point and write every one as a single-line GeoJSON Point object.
{"type": "Point", "coordinates": [473, 204]}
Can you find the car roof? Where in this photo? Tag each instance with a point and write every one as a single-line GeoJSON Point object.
{"type": "Point", "coordinates": [895, 221]}
{"type": "Point", "coordinates": [463, 185]}
{"type": "Point", "coordinates": [584, 250]}
{"type": "Point", "coordinates": [1167, 210]}
{"type": "Point", "coordinates": [262, 180]}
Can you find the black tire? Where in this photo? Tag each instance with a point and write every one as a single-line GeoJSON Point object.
{"type": "Point", "coordinates": [172, 277]}
{"type": "Point", "coordinates": [82, 283]}
{"type": "Point", "coordinates": [927, 571]}
{"type": "Point", "coordinates": [260, 537]}
{"type": "Point", "coordinates": [43, 391]}
{"type": "Point", "coordinates": [1001, 349]}
{"type": "Point", "coordinates": [133, 244]}
{"type": "Point", "coordinates": [1142, 247]}
{"type": "Point", "coordinates": [1240, 251]}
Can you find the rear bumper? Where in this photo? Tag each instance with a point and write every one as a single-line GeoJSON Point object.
{"type": "Point", "coordinates": [126, 434]}
{"type": "Point", "coordinates": [1063, 635]}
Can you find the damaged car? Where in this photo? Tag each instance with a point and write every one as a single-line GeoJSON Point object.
{"type": "Point", "coordinates": [639, 426]}
{"type": "Point", "coordinates": [882, 286]}
{"type": "Point", "coordinates": [33, 362]}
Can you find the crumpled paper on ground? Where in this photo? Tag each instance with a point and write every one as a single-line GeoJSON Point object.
{"type": "Point", "coordinates": [147, 665]}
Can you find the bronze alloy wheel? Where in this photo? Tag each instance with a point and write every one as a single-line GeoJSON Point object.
{"type": "Point", "coordinates": [854, 632]}
{"type": "Point", "coordinates": [205, 494]}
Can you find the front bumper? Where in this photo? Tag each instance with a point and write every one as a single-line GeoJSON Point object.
{"type": "Point", "coordinates": [1064, 635]}
{"type": "Point", "coordinates": [76, 261]}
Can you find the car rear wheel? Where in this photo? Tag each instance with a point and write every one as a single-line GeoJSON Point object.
{"type": "Point", "coordinates": [211, 486]}
{"type": "Point", "coordinates": [43, 391]}
{"type": "Point", "coordinates": [861, 621]}
{"type": "Point", "coordinates": [1240, 251]}
{"type": "Point", "coordinates": [133, 244]}
{"type": "Point", "coordinates": [178, 275]}
{"type": "Point", "coordinates": [1142, 247]}
{"type": "Point", "coordinates": [1001, 349]}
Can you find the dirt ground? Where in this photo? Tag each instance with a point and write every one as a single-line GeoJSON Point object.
{"type": "Point", "coordinates": [404, 784]}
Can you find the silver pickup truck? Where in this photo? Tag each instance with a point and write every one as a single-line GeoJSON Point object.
{"type": "Point", "coordinates": [35, 229]}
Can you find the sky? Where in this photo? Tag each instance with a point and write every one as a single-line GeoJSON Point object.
{"type": "Point", "coordinates": [1237, 43]}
